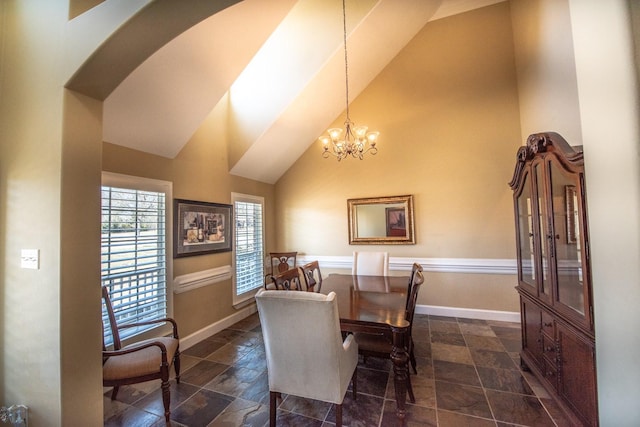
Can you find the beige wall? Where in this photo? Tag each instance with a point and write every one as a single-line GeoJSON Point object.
{"type": "Point", "coordinates": [455, 93]}
{"type": "Point", "coordinates": [545, 62]}
{"type": "Point", "coordinates": [607, 83]}
{"type": "Point", "coordinates": [80, 324]}
{"type": "Point", "coordinates": [447, 111]}
{"type": "Point", "coordinates": [199, 172]}
{"type": "Point", "coordinates": [49, 331]}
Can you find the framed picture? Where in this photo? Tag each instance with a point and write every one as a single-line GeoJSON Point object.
{"type": "Point", "coordinates": [201, 228]}
{"type": "Point", "coordinates": [396, 222]}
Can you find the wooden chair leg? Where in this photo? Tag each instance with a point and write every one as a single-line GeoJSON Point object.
{"type": "Point", "coordinates": [166, 398]}
{"type": "Point", "coordinates": [354, 383]}
{"type": "Point", "coordinates": [176, 365]}
{"type": "Point", "coordinates": [272, 408]}
{"type": "Point", "coordinates": [412, 357]}
{"type": "Point", "coordinates": [412, 398]}
{"type": "Point", "coordinates": [339, 415]}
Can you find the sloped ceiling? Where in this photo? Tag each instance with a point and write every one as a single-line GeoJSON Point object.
{"type": "Point", "coordinates": [281, 66]}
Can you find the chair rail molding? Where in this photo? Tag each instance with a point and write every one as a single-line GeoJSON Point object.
{"type": "Point", "coordinates": [191, 281]}
{"type": "Point", "coordinates": [441, 265]}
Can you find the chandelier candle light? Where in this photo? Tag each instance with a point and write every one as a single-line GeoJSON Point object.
{"type": "Point", "coordinates": [357, 141]}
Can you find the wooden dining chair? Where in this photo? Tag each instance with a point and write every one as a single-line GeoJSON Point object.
{"type": "Point", "coordinates": [416, 267]}
{"type": "Point", "coordinates": [142, 361]}
{"type": "Point", "coordinates": [279, 262]}
{"type": "Point", "coordinates": [288, 280]}
{"type": "Point", "coordinates": [370, 345]}
{"type": "Point", "coordinates": [370, 264]}
{"type": "Point", "coordinates": [312, 276]}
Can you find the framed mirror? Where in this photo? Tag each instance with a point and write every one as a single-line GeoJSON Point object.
{"type": "Point", "coordinates": [381, 221]}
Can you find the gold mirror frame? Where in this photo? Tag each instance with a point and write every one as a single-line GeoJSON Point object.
{"type": "Point", "coordinates": [381, 221]}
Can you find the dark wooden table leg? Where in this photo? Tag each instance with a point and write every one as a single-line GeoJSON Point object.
{"type": "Point", "coordinates": [400, 359]}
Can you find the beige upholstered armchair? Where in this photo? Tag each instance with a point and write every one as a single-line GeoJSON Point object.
{"type": "Point", "coordinates": [370, 264]}
{"type": "Point", "coordinates": [308, 362]}
{"type": "Point", "coordinates": [142, 361]}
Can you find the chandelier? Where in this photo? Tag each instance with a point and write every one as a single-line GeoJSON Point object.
{"type": "Point", "coordinates": [357, 141]}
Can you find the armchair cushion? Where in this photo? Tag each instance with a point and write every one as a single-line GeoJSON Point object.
{"type": "Point", "coordinates": [145, 361]}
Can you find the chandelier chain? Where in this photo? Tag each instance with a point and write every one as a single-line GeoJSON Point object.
{"type": "Point", "coordinates": [356, 140]}
{"type": "Point", "coordinates": [346, 62]}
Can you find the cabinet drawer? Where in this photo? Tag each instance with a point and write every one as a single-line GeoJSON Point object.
{"type": "Point", "coordinates": [550, 373]}
{"type": "Point", "coordinates": [549, 349]}
{"type": "Point", "coordinates": [548, 324]}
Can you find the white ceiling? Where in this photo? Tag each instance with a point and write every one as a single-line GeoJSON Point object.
{"type": "Point", "coordinates": [282, 67]}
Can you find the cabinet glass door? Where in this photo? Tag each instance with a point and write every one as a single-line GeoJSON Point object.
{"type": "Point", "coordinates": [567, 239]}
{"type": "Point", "coordinates": [545, 282]}
{"type": "Point", "coordinates": [525, 234]}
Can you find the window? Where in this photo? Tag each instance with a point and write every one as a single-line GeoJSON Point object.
{"type": "Point", "coordinates": [248, 246]}
{"type": "Point", "coordinates": [134, 250]}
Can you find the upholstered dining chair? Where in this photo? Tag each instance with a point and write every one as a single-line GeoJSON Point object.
{"type": "Point", "coordinates": [315, 365]}
{"type": "Point", "coordinates": [287, 281]}
{"type": "Point", "coordinates": [279, 262]}
{"type": "Point", "coordinates": [142, 361]}
{"type": "Point", "coordinates": [312, 276]}
{"type": "Point", "coordinates": [370, 264]}
{"type": "Point", "coordinates": [381, 345]}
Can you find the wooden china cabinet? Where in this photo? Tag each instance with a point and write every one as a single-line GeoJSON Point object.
{"type": "Point", "coordinates": [554, 276]}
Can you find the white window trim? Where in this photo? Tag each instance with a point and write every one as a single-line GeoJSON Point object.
{"type": "Point", "coordinates": [111, 179]}
{"type": "Point", "coordinates": [240, 301]}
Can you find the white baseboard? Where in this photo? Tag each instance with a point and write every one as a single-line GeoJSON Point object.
{"type": "Point", "coordinates": [216, 327]}
{"type": "Point", "coordinates": [469, 313]}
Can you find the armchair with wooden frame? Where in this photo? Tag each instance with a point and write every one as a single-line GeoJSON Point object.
{"type": "Point", "coordinates": [142, 361]}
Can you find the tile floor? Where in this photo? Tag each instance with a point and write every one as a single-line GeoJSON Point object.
{"type": "Point", "coordinates": [468, 375]}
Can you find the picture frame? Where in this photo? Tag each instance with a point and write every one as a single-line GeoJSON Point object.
{"type": "Point", "coordinates": [201, 228]}
{"type": "Point", "coordinates": [370, 224]}
{"type": "Point", "coordinates": [396, 222]}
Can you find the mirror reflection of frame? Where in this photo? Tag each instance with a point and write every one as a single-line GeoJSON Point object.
{"type": "Point", "coordinates": [381, 221]}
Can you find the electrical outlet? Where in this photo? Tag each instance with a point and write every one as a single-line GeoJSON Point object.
{"type": "Point", "coordinates": [30, 258]}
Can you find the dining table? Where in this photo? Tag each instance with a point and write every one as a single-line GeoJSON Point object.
{"type": "Point", "coordinates": [376, 305]}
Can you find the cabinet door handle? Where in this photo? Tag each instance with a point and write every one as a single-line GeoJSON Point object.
{"type": "Point", "coordinates": [548, 324]}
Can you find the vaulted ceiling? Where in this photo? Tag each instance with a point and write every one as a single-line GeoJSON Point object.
{"type": "Point", "coordinates": [279, 66]}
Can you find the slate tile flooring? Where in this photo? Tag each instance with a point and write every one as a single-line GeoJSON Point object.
{"type": "Point", "coordinates": [468, 375]}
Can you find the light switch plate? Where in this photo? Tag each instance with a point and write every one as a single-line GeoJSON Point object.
{"type": "Point", "coordinates": [30, 258]}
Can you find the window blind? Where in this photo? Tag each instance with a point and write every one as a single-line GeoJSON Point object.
{"type": "Point", "coordinates": [133, 265]}
{"type": "Point", "coordinates": [249, 264]}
